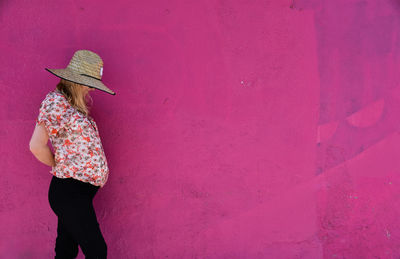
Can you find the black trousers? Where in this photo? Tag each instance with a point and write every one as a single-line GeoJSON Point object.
{"type": "Point", "coordinates": [72, 202]}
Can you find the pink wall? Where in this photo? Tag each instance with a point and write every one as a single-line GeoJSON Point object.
{"type": "Point", "coordinates": [240, 129]}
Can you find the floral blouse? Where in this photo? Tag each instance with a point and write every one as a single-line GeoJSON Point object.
{"type": "Point", "coordinates": [78, 152]}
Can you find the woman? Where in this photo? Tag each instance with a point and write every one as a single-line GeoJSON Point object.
{"type": "Point", "coordinates": [79, 165]}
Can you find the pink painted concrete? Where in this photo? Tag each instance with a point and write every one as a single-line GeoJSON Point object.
{"type": "Point", "coordinates": [240, 129]}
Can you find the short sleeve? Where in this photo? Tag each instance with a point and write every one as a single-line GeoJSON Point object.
{"type": "Point", "coordinates": [53, 113]}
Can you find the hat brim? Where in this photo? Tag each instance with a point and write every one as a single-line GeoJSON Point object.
{"type": "Point", "coordinates": [72, 76]}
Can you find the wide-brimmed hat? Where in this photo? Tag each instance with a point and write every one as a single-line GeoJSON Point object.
{"type": "Point", "coordinates": [85, 68]}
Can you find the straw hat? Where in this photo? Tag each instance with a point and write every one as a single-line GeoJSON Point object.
{"type": "Point", "coordinates": [85, 68]}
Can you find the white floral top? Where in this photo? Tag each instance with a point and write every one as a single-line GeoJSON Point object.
{"type": "Point", "coordinates": [78, 151]}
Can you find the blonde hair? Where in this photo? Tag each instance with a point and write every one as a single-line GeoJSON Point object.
{"type": "Point", "coordinates": [72, 91]}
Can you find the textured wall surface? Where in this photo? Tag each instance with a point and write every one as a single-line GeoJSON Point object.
{"type": "Point", "coordinates": [240, 129]}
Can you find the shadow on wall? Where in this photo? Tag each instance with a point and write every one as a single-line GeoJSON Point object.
{"type": "Point", "coordinates": [3, 5]}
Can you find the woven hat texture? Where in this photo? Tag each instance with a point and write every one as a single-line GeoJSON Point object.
{"type": "Point", "coordinates": [85, 68]}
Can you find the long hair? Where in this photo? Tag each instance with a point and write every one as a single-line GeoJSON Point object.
{"type": "Point", "coordinates": [75, 96]}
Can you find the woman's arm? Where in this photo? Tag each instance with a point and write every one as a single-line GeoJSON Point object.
{"type": "Point", "coordinates": [38, 145]}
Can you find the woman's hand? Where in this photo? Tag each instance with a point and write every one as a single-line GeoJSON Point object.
{"type": "Point", "coordinates": [38, 146]}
